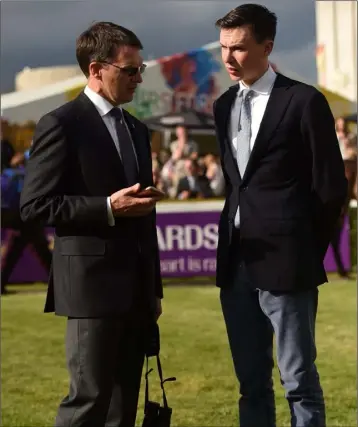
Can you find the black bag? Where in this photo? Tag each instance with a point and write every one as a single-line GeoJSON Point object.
{"type": "Point", "coordinates": [155, 415]}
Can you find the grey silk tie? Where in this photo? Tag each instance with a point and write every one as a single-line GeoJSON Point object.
{"type": "Point", "coordinates": [244, 137]}
{"type": "Point", "coordinates": [126, 148]}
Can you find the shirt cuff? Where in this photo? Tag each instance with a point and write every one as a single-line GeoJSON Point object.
{"type": "Point", "coordinates": [111, 220]}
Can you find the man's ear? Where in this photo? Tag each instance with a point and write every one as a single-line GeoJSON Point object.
{"type": "Point", "coordinates": [95, 70]}
{"type": "Point", "coordinates": [268, 47]}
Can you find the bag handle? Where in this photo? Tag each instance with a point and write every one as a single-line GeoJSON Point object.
{"type": "Point", "coordinates": [147, 383]}
{"type": "Point", "coordinates": [160, 372]}
{"type": "Point", "coordinates": [170, 379]}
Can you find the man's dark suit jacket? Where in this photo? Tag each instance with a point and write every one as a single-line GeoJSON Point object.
{"type": "Point", "coordinates": [73, 167]}
{"type": "Point", "coordinates": [292, 191]}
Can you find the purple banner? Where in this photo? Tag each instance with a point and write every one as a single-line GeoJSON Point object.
{"type": "Point", "coordinates": [187, 242]}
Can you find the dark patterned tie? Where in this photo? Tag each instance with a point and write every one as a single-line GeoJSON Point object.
{"type": "Point", "coordinates": [126, 148]}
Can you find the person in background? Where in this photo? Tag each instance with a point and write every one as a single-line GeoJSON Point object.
{"type": "Point", "coordinates": [194, 185]}
{"type": "Point", "coordinates": [158, 181]}
{"type": "Point", "coordinates": [348, 146]}
{"type": "Point", "coordinates": [7, 154]}
{"type": "Point", "coordinates": [285, 189]}
{"type": "Point", "coordinates": [183, 147]}
{"type": "Point", "coordinates": [10, 158]}
{"type": "Point", "coordinates": [23, 234]}
{"type": "Point", "coordinates": [215, 175]}
{"type": "Point", "coordinates": [7, 150]}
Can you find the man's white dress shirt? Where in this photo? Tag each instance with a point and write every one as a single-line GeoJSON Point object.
{"type": "Point", "coordinates": [262, 90]}
{"type": "Point", "coordinates": [104, 107]}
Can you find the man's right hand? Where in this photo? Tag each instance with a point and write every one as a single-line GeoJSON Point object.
{"type": "Point", "coordinates": [126, 202]}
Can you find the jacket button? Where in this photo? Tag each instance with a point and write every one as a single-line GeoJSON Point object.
{"type": "Point", "coordinates": [244, 189]}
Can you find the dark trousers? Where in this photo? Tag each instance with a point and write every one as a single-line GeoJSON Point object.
{"type": "Point", "coordinates": [105, 360]}
{"type": "Point", "coordinates": [252, 317]}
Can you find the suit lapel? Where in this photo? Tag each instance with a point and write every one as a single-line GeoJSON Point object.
{"type": "Point", "coordinates": [275, 110]}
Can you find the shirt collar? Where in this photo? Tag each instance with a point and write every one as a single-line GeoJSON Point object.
{"type": "Point", "coordinates": [262, 86]}
{"type": "Point", "coordinates": [102, 105]}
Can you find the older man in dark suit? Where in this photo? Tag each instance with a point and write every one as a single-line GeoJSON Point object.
{"type": "Point", "coordinates": [88, 163]}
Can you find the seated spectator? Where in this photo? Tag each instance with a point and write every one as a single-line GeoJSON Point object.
{"type": "Point", "coordinates": [215, 175]}
{"type": "Point", "coordinates": [194, 185]}
{"type": "Point", "coordinates": [172, 171]}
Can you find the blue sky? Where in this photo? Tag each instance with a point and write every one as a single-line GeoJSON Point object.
{"type": "Point", "coordinates": [43, 33]}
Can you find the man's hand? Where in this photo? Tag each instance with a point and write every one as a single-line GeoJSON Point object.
{"type": "Point", "coordinates": [17, 160]}
{"type": "Point", "coordinates": [158, 308]}
{"type": "Point", "coordinates": [126, 202]}
{"type": "Point", "coordinates": [184, 195]}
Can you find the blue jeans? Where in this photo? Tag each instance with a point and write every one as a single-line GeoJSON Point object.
{"type": "Point", "coordinates": [252, 317]}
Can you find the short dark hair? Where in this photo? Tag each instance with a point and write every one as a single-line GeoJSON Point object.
{"type": "Point", "coordinates": [100, 42]}
{"type": "Point", "coordinates": [262, 22]}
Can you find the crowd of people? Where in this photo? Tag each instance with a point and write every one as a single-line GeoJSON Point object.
{"type": "Point", "coordinates": [183, 170]}
{"type": "Point", "coordinates": [182, 174]}
{"type": "Point", "coordinates": [179, 171]}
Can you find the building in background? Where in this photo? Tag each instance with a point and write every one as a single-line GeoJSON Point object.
{"type": "Point", "coordinates": [336, 27]}
{"type": "Point", "coordinates": [34, 78]}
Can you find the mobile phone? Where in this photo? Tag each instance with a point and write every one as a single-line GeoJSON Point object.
{"type": "Point", "coordinates": [152, 191]}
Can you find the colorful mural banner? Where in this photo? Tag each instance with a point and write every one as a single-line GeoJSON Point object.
{"type": "Point", "coordinates": [187, 242]}
{"type": "Point", "coordinates": [190, 80]}
{"type": "Point", "coordinates": [194, 79]}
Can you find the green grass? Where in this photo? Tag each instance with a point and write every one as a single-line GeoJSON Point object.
{"type": "Point", "coordinates": [194, 349]}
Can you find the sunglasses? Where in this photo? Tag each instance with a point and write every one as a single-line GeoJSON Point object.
{"type": "Point", "coordinates": [130, 71]}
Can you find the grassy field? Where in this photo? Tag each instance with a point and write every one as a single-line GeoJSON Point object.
{"type": "Point", "coordinates": [194, 349]}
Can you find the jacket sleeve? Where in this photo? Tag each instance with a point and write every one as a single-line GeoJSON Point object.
{"type": "Point", "coordinates": [329, 184]}
{"type": "Point", "coordinates": [44, 196]}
